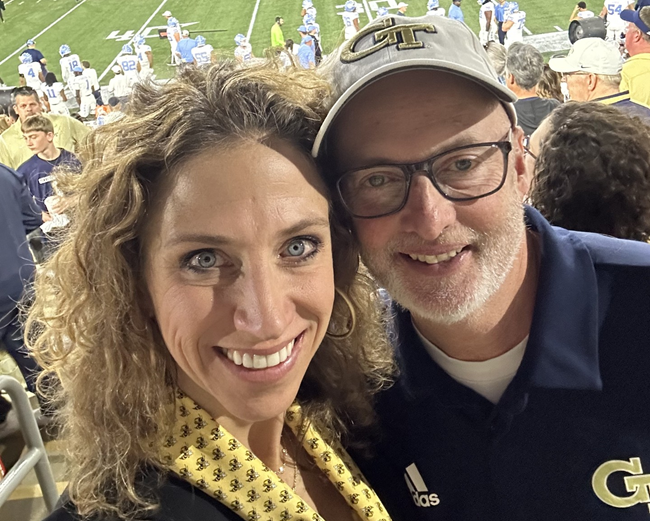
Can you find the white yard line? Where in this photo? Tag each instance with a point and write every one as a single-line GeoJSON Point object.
{"type": "Point", "coordinates": [44, 31]}
{"type": "Point", "coordinates": [367, 8]}
{"type": "Point", "coordinates": [527, 31]}
{"type": "Point", "coordinates": [144, 26]}
{"type": "Point", "coordinates": [250, 27]}
{"type": "Point", "coordinates": [559, 28]}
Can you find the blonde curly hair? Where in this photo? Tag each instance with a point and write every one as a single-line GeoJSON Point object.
{"type": "Point", "coordinates": [90, 325]}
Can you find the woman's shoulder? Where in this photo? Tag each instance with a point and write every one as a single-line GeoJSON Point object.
{"type": "Point", "coordinates": [178, 500]}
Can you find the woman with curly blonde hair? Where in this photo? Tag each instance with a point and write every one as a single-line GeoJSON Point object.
{"type": "Point", "coordinates": [202, 289]}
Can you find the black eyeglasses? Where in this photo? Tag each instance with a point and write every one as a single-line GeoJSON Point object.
{"type": "Point", "coordinates": [460, 174]}
{"type": "Point", "coordinates": [527, 148]}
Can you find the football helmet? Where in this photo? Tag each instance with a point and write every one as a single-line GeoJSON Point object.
{"type": "Point", "coordinates": [64, 49]}
{"type": "Point", "coordinates": [26, 58]}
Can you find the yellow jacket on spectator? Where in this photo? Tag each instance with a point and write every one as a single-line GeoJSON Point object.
{"type": "Point", "coordinates": [68, 133]}
{"type": "Point", "coordinates": [636, 78]}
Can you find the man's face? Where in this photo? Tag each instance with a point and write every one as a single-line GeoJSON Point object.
{"type": "Point", "coordinates": [38, 141]}
{"type": "Point", "coordinates": [281, 21]}
{"type": "Point", "coordinates": [27, 106]}
{"type": "Point", "coordinates": [578, 85]}
{"type": "Point", "coordinates": [631, 35]}
{"type": "Point", "coordinates": [440, 259]}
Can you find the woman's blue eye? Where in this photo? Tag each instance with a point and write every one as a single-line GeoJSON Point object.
{"type": "Point", "coordinates": [203, 260]}
{"type": "Point", "coordinates": [296, 248]}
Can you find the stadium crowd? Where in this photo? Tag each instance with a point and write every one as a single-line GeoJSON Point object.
{"type": "Point", "coordinates": [479, 209]}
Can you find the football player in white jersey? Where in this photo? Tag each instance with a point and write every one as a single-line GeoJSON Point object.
{"type": "Point", "coordinates": [244, 50]}
{"type": "Point", "coordinates": [129, 64]}
{"type": "Point", "coordinates": [54, 96]}
{"type": "Point", "coordinates": [83, 90]}
{"type": "Point", "coordinates": [382, 11]}
{"type": "Point", "coordinates": [615, 25]}
{"type": "Point", "coordinates": [433, 8]}
{"type": "Point", "coordinates": [487, 22]}
{"type": "Point", "coordinates": [350, 19]}
{"type": "Point", "coordinates": [308, 9]}
{"type": "Point", "coordinates": [68, 62]}
{"type": "Point", "coordinates": [202, 53]}
{"type": "Point", "coordinates": [173, 35]}
{"type": "Point", "coordinates": [30, 72]}
{"type": "Point", "coordinates": [119, 86]}
{"type": "Point", "coordinates": [514, 23]}
{"type": "Point", "coordinates": [145, 57]}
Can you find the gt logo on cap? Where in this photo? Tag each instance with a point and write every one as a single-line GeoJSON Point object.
{"type": "Point", "coordinates": [385, 33]}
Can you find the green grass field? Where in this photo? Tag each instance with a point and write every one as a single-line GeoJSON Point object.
{"type": "Point", "coordinates": [97, 29]}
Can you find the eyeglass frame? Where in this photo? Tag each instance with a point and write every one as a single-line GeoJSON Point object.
{"type": "Point", "coordinates": [527, 148]}
{"type": "Point", "coordinates": [411, 169]}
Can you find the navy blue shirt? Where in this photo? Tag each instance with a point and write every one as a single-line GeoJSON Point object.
{"type": "Point", "coordinates": [18, 217]}
{"type": "Point", "coordinates": [37, 56]}
{"type": "Point", "coordinates": [37, 172]}
{"type": "Point", "coordinates": [576, 412]}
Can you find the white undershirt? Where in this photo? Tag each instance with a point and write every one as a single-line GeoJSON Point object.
{"type": "Point", "coordinates": [489, 378]}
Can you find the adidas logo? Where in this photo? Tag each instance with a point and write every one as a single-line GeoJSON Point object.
{"type": "Point", "coordinates": [418, 489]}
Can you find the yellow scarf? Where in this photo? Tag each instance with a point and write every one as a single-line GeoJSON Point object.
{"type": "Point", "coordinates": [203, 453]}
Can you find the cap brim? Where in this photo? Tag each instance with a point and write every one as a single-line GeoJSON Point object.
{"type": "Point", "coordinates": [629, 15]}
{"type": "Point", "coordinates": [501, 92]}
{"type": "Point", "coordinates": [563, 64]}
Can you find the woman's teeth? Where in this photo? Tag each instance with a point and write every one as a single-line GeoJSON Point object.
{"type": "Point", "coordinates": [259, 361]}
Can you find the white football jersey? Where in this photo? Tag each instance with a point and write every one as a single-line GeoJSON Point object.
{"type": "Point", "coordinates": [83, 85]}
{"type": "Point", "coordinates": [614, 8]}
{"type": "Point", "coordinates": [485, 8]}
{"type": "Point", "coordinates": [437, 12]}
{"type": "Point", "coordinates": [585, 14]}
{"type": "Point", "coordinates": [173, 27]}
{"type": "Point", "coordinates": [516, 32]}
{"type": "Point", "coordinates": [309, 11]}
{"type": "Point", "coordinates": [141, 52]}
{"type": "Point", "coordinates": [348, 22]}
{"type": "Point", "coordinates": [129, 64]}
{"type": "Point", "coordinates": [53, 92]}
{"type": "Point", "coordinates": [203, 54]}
{"type": "Point", "coordinates": [31, 71]}
{"type": "Point", "coordinates": [91, 74]}
{"type": "Point", "coordinates": [244, 52]}
{"type": "Point", "coordinates": [67, 64]}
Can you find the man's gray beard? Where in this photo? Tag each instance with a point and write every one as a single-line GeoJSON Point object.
{"type": "Point", "coordinates": [498, 254]}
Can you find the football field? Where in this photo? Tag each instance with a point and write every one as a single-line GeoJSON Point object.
{"type": "Point", "coordinates": [97, 29]}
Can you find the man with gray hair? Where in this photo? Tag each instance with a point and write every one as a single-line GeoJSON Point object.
{"type": "Point", "coordinates": [592, 71]}
{"type": "Point", "coordinates": [523, 392]}
{"type": "Point", "coordinates": [524, 69]}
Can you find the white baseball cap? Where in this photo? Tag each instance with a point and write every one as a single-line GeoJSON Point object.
{"type": "Point", "coordinates": [167, 13]}
{"type": "Point", "coordinates": [116, 69]}
{"type": "Point", "coordinates": [593, 55]}
{"type": "Point", "coordinates": [402, 4]}
{"type": "Point", "coordinates": [434, 43]}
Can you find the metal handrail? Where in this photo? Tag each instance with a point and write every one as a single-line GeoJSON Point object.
{"type": "Point", "coordinates": [36, 455]}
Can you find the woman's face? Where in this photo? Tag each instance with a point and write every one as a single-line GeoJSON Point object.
{"type": "Point", "coordinates": [239, 270]}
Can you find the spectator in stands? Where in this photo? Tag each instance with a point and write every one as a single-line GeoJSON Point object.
{"type": "Point", "coordinates": [523, 401]}
{"type": "Point", "coordinates": [636, 71]}
{"type": "Point", "coordinates": [37, 56]}
{"type": "Point", "coordinates": [115, 110]}
{"type": "Point", "coordinates": [277, 37]}
{"type": "Point", "coordinates": [198, 278]}
{"type": "Point", "coordinates": [38, 132]}
{"type": "Point", "coordinates": [593, 73]}
{"type": "Point", "coordinates": [306, 56]}
{"type": "Point", "coordinates": [455, 12]}
{"type": "Point", "coordinates": [497, 54]}
{"type": "Point", "coordinates": [524, 69]}
{"type": "Point", "coordinates": [593, 172]}
{"type": "Point", "coordinates": [185, 46]}
{"type": "Point", "coordinates": [18, 217]}
{"type": "Point", "coordinates": [580, 12]}
{"type": "Point", "coordinates": [550, 85]}
{"type": "Point", "coordinates": [68, 132]}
